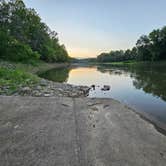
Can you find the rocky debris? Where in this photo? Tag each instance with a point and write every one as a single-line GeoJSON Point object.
{"type": "Point", "coordinates": [7, 65]}
{"type": "Point", "coordinates": [47, 94]}
{"type": "Point", "coordinates": [25, 90]}
{"type": "Point", "coordinates": [105, 88]}
{"type": "Point", "coordinates": [43, 82]}
{"type": "Point", "coordinates": [93, 87]}
{"type": "Point", "coordinates": [46, 88]}
{"type": "Point", "coordinates": [118, 72]}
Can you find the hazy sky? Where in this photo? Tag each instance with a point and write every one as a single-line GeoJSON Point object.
{"type": "Point", "coordinates": [89, 27]}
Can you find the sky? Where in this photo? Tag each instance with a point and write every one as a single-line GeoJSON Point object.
{"type": "Point", "coordinates": [90, 27]}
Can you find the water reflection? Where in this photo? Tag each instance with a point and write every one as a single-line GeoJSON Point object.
{"type": "Point", "coordinates": [150, 78]}
{"type": "Point", "coordinates": [57, 75]}
{"type": "Point", "coordinates": [142, 87]}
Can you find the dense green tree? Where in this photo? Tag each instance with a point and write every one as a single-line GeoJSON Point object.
{"type": "Point", "coordinates": [23, 35]}
{"type": "Point", "coordinates": [116, 56]}
{"type": "Point", "coordinates": [150, 47]}
{"type": "Point", "coordinates": [143, 45]}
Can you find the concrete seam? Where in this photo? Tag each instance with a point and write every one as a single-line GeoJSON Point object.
{"type": "Point", "coordinates": [78, 146]}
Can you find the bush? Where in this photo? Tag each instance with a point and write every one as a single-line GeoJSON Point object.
{"type": "Point", "coordinates": [4, 39]}
{"type": "Point", "coordinates": [14, 79]}
{"type": "Point", "coordinates": [19, 52]}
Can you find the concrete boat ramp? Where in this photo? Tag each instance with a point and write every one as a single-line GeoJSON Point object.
{"type": "Point", "coordinates": [76, 132]}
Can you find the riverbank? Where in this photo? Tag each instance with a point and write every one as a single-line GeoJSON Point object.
{"type": "Point", "coordinates": [15, 81]}
{"type": "Point", "coordinates": [123, 63]}
{"type": "Point", "coordinates": [22, 79]}
{"type": "Point", "coordinates": [38, 66]}
{"type": "Point", "coordinates": [95, 132]}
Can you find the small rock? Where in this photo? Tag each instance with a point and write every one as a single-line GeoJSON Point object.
{"type": "Point", "coordinates": [17, 126]}
{"type": "Point", "coordinates": [105, 106]}
{"type": "Point", "coordinates": [66, 105]}
{"type": "Point", "coordinates": [38, 88]}
{"type": "Point", "coordinates": [118, 72]}
{"type": "Point", "coordinates": [37, 94]}
{"type": "Point", "coordinates": [47, 95]}
{"type": "Point", "coordinates": [60, 90]}
{"type": "Point", "coordinates": [74, 94]}
{"type": "Point", "coordinates": [86, 90]}
{"type": "Point", "coordinates": [26, 90]}
{"type": "Point", "coordinates": [43, 82]}
{"type": "Point", "coordinates": [8, 124]}
{"type": "Point", "coordinates": [94, 109]}
{"type": "Point", "coordinates": [105, 88]}
{"type": "Point", "coordinates": [93, 87]}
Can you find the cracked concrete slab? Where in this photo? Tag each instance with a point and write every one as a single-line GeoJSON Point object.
{"type": "Point", "coordinates": [76, 132]}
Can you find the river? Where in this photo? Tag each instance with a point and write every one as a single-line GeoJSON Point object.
{"type": "Point", "coordinates": [142, 87]}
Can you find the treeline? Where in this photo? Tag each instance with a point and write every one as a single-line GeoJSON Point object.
{"type": "Point", "coordinates": [150, 47]}
{"type": "Point", "coordinates": [24, 37]}
{"type": "Point", "coordinates": [85, 60]}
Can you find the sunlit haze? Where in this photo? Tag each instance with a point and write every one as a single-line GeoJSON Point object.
{"type": "Point", "coordinates": [89, 27]}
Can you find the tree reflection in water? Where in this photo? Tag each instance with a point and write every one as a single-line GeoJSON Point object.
{"type": "Point", "coordinates": [57, 75]}
{"type": "Point", "coordinates": [151, 78]}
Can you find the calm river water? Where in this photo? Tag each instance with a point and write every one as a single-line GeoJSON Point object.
{"type": "Point", "coordinates": [142, 87]}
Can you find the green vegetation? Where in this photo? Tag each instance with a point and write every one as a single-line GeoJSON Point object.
{"type": "Point", "coordinates": [12, 80]}
{"type": "Point", "coordinates": [150, 77]}
{"type": "Point", "coordinates": [57, 75]}
{"type": "Point", "coordinates": [38, 66]}
{"type": "Point", "coordinates": [150, 47]}
{"type": "Point", "coordinates": [123, 63]}
{"type": "Point", "coordinates": [14, 75]}
{"type": "Point", "coordinates": [25, 38]}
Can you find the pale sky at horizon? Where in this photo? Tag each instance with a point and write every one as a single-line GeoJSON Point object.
{"type": "Point", "coordinates": [89, 27]}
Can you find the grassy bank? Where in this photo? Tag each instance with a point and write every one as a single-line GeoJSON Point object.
{"type": "Point", "coordinates": [132, 63]}
{"type": "Point", "coordinates": [11, 80]}
{"type": "Point", "coordinates": [38, 66]}
{"type": "Point", "coordinates": [14, 76]}
{"type": "Point", "coordinates": [123, 63]}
